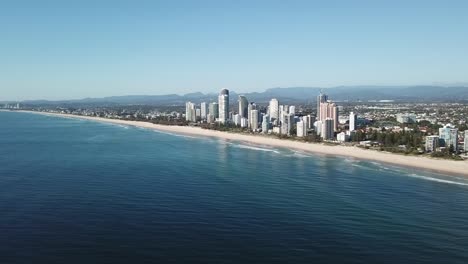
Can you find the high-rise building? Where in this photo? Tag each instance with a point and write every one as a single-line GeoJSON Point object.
{"type": "Point", "coordinates": [190, 112]}
{"type": "Point", "coordinates": [321, 98]}
{"type": "Point", "coordinates": [292, 110]}
{"type": "Point", "coordinates": [310, 121]}
{"type": "Point", "coordinates": [223, 100]}
{"type": "Point", "coordinates": [329, 110]}
{"type": "Point", "coordinates": [273, 109]}
{"type": "Point", "coordinates": [327, 129]}
{"type": "Point", "coordinates": [305, 120]}
{"type": "Point", "coordinates": [265, 124]}
{"type": "Point", "coordinates": [301, 128]}
{"type": "Point", "coordinates": [250, 107]}
{"type": "Point", "coordinates": [244, 122]}
{"type": "Point", "coordinates": [243, 106]}
{"type": "Point", "coordinates": [210, 118]}
{"type": "Point", "coordinates": [204, 110]}
{"type": "Point", "coordinates": [287, 123]}
{"type": "Point", "coordinates": [318, 127]}
{"type": "Point", "coordinates": [352, 121]}
{"type": "Point", "coordinates": [214, 110]}
{"type": "Point", "coordinates": [432, 143]}
{"type": "Point", "coordinates": [466, 140]}
{"type": "Point", "coordinates": [254, 119]}
{"type": "Point", "coordinates": [237, 119]}
{"type": "Point", "coordinates": [449, 136]}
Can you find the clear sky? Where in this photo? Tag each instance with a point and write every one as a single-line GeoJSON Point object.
{"type": "Point", "coordinates": [73, 49]}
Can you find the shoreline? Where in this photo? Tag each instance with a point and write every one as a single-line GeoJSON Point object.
{"type": "Point", "coordinates": [425, 163]}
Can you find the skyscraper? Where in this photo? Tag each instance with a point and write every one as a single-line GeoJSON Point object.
{"type": "Point", "coordinates": [237, 119]}
{"type": "Point", "coordinates": [223, 100]}
{"type": "Point", "coordinates": [329, 110]}
{"type": "Point", "coordinates": [352, 121]}
{"type": "Point", "coordinates": [250, 107]}
{"type": "Point", "coordinates": [292, 110]}
{"type": "Point", "coordinates": [310, 121]}
{"type": "Point", "coordinates": [449, 136]}
{"type": "Point", "coordinates": [243, 106]}
{"type": "Point", "coordinates": [190, 112]}
{"type": "Point", "coordinates": [214, 110]}
{"type": "Point", "coordinates": [254, 119]}
{"type": "Point", "coordinates": [321, 98]}
{"type": "Point", "coordinates": [273, 109]}
{"type": "Point", "coordinates": [287, 124]}
{"type": "Point", "coordinates": [265, 124]}
{"type": "Point", "coordinates": [327, 129]}
{"type": "Point", "coordinates": [318, 127]}
{"type": "Point", "coordinates": [301, 129]}
{"type": "Point", "coordinates": [204, 110]}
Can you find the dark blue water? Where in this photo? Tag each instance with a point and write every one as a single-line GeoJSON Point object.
{"type": "Point", "coordinates": [74, 191]}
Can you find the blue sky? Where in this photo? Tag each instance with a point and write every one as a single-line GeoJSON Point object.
{"type": "Point", "coordinates": [75, 49]}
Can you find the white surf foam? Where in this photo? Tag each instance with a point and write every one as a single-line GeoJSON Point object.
{"type": "Point", "coordinates": [254, 148]}
{"type": "Point", "coordinates": [174, 134]}
{"type": "Point", "coordinates": [437, 179]}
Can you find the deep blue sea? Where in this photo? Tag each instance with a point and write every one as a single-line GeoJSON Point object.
{"type": "Point", "coordinates": [76, 191]}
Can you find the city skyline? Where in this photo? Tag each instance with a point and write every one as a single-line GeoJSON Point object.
{"type": "Point", "coordinates": [87, 49]}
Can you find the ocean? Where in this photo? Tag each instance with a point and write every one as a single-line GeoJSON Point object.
{"type": "Point", "coordinates": [79, 191]}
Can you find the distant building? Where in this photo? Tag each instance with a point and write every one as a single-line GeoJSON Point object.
{"type": "Point", "coordinates": [292, 110]}
{"type": "Point", "coordinates": [190, 112]}
{"type": "Point", "coordinates": [352, 121]}
{"type": "Point", "coordinates": [329, 110]}
{"type": "Point", "coordinates": [250, 107]}
{"type": "Point", "coordinates": [237, 119]}
{"type": "Point", "coordinates": [223, 100]}
{"type": "Point", "coordinates": [327, 129]}
{"type": "Point", "coordinates": [449, 137]}
{"type": "Point", "coordinates": [273, 109]}
{"type": "Point", "coordinates": [305, 120]}
{"type": "Point", "coordinates": [342, 137]}
{"type": "Point", "coordinates": [287, 124]}
{"type": "Point", "coordinates": [210, 118]}
{"type": "Point", "coordinates": [321, 98]}
{"type": "Point", "coordinates": [254, 119]}
{"type": "Point", "coordinates": [244, 122]}
{"type": "Point", "coordinates": [432, 143]}
{"type": "Point", "coordinates": [243, 106]}
{"type": "Point", "coordinates": [204, 110]}
{"type": "Point", "coordinates": [318, 127]}
{"type": "Point", "coordinates": [310, 121]}
{"type": "Point", "coordinates": [301, 128]}
{"type": "Point", "coordinates": [406, 118]}
{"type": "Point", "coordinates": [265, 124]}
{"type": "Point", "coordinates": [214, 110]}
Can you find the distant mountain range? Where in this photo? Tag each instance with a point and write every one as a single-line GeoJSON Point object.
{"type": "Point", "coordinates": [303, 95]}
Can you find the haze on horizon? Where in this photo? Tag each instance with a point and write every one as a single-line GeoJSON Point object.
{"type": "Point", "coordinates": [68, 50]}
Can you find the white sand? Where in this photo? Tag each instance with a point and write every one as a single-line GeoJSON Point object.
{"type": "Point", "coordinates": [425, 163]}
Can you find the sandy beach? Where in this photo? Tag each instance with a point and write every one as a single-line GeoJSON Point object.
{"type": "Point", "coordinates": [424, 163]}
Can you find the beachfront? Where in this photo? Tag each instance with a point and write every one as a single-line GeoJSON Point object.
{"type": "Point", "coordinates": [425, 163]}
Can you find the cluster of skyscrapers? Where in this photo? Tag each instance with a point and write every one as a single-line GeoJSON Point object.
{"type": "Point", "coordinates": [276, 118]}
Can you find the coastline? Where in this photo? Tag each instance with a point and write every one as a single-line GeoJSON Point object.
{"type": "Point", "coordinates": [424, 163]}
